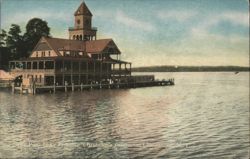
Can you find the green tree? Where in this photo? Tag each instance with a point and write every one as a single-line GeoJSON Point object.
{"type": "Point", "coordinates": [35, 29]}
{"type": "Point", "coordinates": [3, 36]}
{"type": "Point", "coordinates": [14, 42]}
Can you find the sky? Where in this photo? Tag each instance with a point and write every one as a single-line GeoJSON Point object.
{"type": "Point", "coordinates": [152, 32]}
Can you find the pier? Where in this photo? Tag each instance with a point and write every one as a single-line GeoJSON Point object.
{"type": "Point", "coordinates": [34, 89]}
{"type": "Point", "coordinates": [81, 62]}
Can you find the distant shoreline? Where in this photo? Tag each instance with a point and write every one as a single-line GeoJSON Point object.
{"type": "Point", "coordinates": [191, 69]}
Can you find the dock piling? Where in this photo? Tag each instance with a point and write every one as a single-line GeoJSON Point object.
{"type": "Point", "coordinates": [13, 87]}
{"type": "Point", "coordinates": [66, 84]}
{"type": "Point", "coordinates": [54, 87]}
{"type": "Point", "coordinates": [73, 87]}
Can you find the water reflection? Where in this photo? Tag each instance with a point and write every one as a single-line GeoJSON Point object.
{"type": "Point", "coordinates": [206, 116]}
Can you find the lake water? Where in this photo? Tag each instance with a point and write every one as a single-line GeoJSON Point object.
{"type": "Point", "coordinates": [205, 115]}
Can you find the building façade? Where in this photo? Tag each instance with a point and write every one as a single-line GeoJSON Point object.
{"type": "Point", "coordinates": [81, 59]}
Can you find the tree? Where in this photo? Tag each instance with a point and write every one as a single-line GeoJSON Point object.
{"type": "Point", "coordinates": [3, 36]}
{"type": "Point", "coordinates": [35, 29]}
{"type": "Point", "coordinates": [14, 42]}
{"type": "Point", "coordinates": [19, 46]}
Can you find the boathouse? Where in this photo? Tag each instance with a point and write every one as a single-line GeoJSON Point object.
{"type": "Point", "coordinates": [81, 59]}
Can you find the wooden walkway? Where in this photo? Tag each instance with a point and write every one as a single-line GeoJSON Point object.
{"type": "Point", "coordinates": [39, 89]}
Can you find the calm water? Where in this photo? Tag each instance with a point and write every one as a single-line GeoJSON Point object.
{"type": "Point", "coordinates": [205, 115]}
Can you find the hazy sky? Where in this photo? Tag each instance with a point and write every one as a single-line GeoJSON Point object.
{"type": "Point", "coordinates": [152, 32]}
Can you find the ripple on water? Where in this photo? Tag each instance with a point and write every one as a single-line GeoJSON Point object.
{"type": "Point", "coordinates": [202, 116]}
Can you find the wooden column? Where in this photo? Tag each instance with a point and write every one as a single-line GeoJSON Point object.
{"type": "Point", "coordinates": [130, 68]}
{"type": "Point", "coordinates": [31, 67]}
{"type": "Point", "coordinates": [54, 83]}
{"type": "Point", "coordinates": [87, 70]}
{"type": "Point", "coordinates": [101, 72]}
{"type": "Point", "coordinates": [79, 65]}
{"type": "Point", "coordinates": [120, 70]}
{"type": "Point", "coordinates": [94, 70]}
{"type": "Point", "coordinates": [63, 80]}
{"type": "Point", "coordinates": [71, 72]}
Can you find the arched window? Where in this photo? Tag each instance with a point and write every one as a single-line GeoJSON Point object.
{"type": "Point", "coordinates": [74, 37]}
{"type": "Point", "coordinates": [80, 37]}
{"type": "Point", "coordinates": [77, 37]}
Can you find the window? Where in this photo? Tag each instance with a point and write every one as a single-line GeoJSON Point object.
{"type": "Point", "coordinates": [49, 53]}
{"type": "Point", "coordinates": [43, 53]}
{"type": "Point", "coordinates": [37, 54]}
{"type": "Point", "coordinates": [66, 53]}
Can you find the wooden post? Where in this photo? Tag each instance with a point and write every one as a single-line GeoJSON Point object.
{"type": "Point", "coordinates": [54, 83]}
{"type": "Point", "coordinates": [21, 89]}
{"type": "Point", "coordinates": [79, 65]}
{"type": "Point", "coordinates": [81, 86]}
{"type": "Point", "coordinates": [63, 79]}
{"type": "Point", "coordinates": [71, 72]}
{"type": "Point", "coordinates": [54, 87]}
{"type": "Point", "coordinates": [87, 74]}
{"type": "Point", "coordinates": [33, 88]}
{"type": "Point", "coordinates": [13, 87]}
{"type": "Point", "coordinates": [73, 87]}
{"type": "Point", "coordinates": [65, 86]}
{"type": "Point", "coordinates": [94, 71]}
{"type": "Point", "coordinates": [130, 68]}
{"type": "Point", "coordinates": [101, 72]}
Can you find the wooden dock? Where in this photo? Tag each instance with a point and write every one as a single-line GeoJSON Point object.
{"type": "Point", "coordinates": [33, 89]}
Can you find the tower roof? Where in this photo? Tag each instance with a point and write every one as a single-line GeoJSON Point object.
{"type": "Point", "coordinates": [83, 10]}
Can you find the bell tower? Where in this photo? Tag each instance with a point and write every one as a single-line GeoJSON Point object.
{"type": "Point", "coordinates": [83, 29]}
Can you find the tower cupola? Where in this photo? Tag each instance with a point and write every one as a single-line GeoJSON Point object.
{"type": "Point", "coordinates": [83, 29]}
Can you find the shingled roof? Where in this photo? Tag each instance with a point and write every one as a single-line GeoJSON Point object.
{"type": "Point", "coordinates": [65, 44]}
{"type": "Point", "coordinates": [83, 10]}
{"type": "Point", "coordinates": [95, 46]}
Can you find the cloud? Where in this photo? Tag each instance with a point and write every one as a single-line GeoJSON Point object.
{"type": "Point", "coordinates": [132, 22]}
{"type": "Point", "coordinates": [180, 16]}
{"type": "Point", "coordinates": [23, 17]}
{"type": "Point", "coordinates": [236, 18]}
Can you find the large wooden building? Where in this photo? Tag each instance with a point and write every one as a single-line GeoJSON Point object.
{"type": "Point", "coordinates": [81, 59]}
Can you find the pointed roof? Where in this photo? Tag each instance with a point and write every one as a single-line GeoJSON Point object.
{"type": "Point", "coordinates": [83, 10]}
{"type": "Point", "coordinates": [95, 46]}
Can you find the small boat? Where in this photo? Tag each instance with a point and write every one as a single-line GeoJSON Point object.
{"type": "Point", "coordinates": [236, 72]}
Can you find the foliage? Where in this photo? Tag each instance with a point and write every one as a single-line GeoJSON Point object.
{"type": "Point", "coordinates": [35, 29]}
{"type": "Point", "coordinates": [14, 41]}
{"type": "Point", "coordinates": [18, 45]}
{"type": "Point", "coordinates": [3, 36]}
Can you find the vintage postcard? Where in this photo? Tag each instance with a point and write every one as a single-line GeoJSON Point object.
{"type": "Point", "coordinates": [124, 79]}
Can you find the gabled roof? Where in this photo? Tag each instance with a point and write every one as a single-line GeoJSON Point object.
{"type": "Point", "coordinates": [92, 47]}
{"type": "Point", "coordinates": [65, 44]}
{"type": "Point", "coordinates": [97, 46]}
{"type": "Point", "coordinates": [83, 10]}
